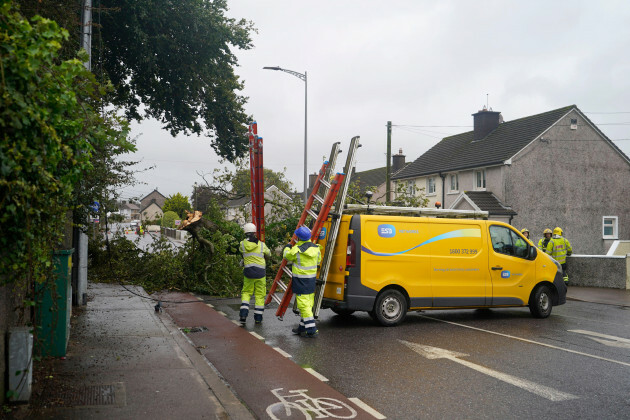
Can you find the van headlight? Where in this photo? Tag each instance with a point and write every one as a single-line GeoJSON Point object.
{"type": "Point", "coordinates": [558, 266]}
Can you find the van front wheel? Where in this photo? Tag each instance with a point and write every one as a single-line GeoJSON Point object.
{"type": "Point", "coordinates": [390, 308]}
{"type": "Point", "coordinates": [540, 303]}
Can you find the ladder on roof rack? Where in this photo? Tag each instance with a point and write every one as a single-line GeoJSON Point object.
{"type": "Point", "coordinates": [323, 194]}
{"type": "Point", "coordinates": [334, 226]}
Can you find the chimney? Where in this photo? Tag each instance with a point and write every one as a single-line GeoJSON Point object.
{"type": "Point", "coordinates": [311, 180]}
{"type": "Point", "coordinates": [398, 161]}
{"type": "Point", "coordinates": [484, 122]}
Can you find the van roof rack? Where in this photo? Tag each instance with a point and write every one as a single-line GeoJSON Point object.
{"type": "Point", "coordinates": [414, 211]}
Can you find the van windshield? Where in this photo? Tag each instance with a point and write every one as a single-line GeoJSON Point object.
{"type": "Point", "coordinates": [506, 241]}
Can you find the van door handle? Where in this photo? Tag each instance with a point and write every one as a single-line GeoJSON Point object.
{"type": "Point", "coordinates": [497, 268]}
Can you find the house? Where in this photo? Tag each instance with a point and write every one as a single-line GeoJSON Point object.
{"type": "Point", "coordinates": [240, 210]}
{"type": "Point", "coordinates": [151, 205]}
{"type": "Point", "coordinates": [129, 211]}
{"type": "Point", "coordinates": [546, 170]}
{"type": "Point", "coordinates": [375, 179]}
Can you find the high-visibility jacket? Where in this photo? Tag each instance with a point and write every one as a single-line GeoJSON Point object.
{"type": "Point", "coordinates": [254, 258]}
{"type": "Point", "coordinates": [558, 247]}
{"type": "Point", "coordinates": [542, 244]}
{"type": "Point", "coordinates": [305, 256]}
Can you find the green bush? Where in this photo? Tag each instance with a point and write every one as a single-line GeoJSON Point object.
{"type": "Point", "coordinates": [168, 220]}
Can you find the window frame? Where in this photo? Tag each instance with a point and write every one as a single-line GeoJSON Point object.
{"type": "Point", "coordinates": [614, 225]}
{"type": "Point", "coordinates": [431, 181]}
{"type": "Point", "coordinates": [513, 247]}
{"type": "Point", "coordinates": [450, 184]}
{"type": "Point", "coordinates": [483, 180]}
{"type": "Point", "coordinates": [411, 187]}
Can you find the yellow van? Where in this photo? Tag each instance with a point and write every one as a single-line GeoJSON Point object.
{"type": "Point", "coordinates": [387, 265]}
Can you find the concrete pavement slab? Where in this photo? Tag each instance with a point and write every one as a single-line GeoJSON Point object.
{"type": "Point", "coordinates": [130, 363]}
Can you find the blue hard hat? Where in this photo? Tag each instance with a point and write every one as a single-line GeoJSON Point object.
{"type": "Point", "coordinates": [303, 233]}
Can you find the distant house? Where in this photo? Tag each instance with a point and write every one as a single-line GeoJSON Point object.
{"type": "Point", "coordinates": [129, 211]}
{"type": "Point", "coordinates": [151, 205]}
{"type": "Point", "coordinates": [546, 170]}
{"type": "Point", "coordinates": [240, 210]}
{"type": "Point", "coordinates": [376, 179]}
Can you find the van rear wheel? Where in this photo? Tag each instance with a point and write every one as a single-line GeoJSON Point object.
{"type": "Point", "coordinates": [540, 303]}
{"type": "Point", "coordinates": [390, 308]}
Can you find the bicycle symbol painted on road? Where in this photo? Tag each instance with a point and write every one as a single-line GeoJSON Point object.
{"type": "Point", "coordinates": [309, 407]}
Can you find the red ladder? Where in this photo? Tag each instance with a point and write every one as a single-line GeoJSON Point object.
{"type": "Point", "coordinates": [321, 185]}
{"type": "Point", "coordinates": [257, 180]}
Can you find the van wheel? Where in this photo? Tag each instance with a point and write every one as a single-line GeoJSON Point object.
{"type": "Point", "coordinates": [540, 303]}
{"type": "Point", "coordinates": [342, 312]}
{"type": "Point", "coordinates": [390, 308]}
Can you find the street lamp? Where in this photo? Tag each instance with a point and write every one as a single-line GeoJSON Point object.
{"type": "Point", "coordinates": [301, 77]}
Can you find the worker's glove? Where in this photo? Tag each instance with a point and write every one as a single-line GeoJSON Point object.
{"type": "Point", "coordinates": [288, 246]}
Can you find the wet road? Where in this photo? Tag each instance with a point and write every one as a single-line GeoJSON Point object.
{"type": "Point", "coordinates": [470, 363]}
{"type": "Point", "coordinates": [143, 242]}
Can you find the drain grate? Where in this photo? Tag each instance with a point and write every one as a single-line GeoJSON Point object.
{"type": "Point", "coordinates": [91, 395]}
{"type": "Point", "coordinates": [188, 330]}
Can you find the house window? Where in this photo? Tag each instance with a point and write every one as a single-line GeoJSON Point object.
{"type": "Point", "coordinates": [609, 227]}
{"type": "Point", "coordinates": [480, 179]}
{"type": "Point", "coordinates": [573, 123]}
{"type": "Point", "coordinates": [454, 182]}
{"type": "Point", "coordinates": [430, 186]}
{"type": "Point", "coordinates": [411, 188]}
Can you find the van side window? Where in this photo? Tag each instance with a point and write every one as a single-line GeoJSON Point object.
{"type": "Point", "coordinates": [506, 241]}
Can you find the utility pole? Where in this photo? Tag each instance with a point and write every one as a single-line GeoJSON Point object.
{"type": "Point", "coordinates": [388, 196]}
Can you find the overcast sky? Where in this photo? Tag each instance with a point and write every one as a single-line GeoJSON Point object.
{"type": "Point", "coordinates": [424, 65]}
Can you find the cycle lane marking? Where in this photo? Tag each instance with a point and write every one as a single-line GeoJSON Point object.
{"type": "Point", "coordinates": [367, 408]}
{"type": "Point", "coordinates": [282, 352]}
{"type": "Point", "coordinates": [317, 375]}
{"type": "Point", "coordinates": [551, 346]}
{"type": "Point", "coordinates": [538, 389]}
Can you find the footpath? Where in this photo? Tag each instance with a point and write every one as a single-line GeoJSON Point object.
{"type": "Point", "coordinates": [126, 361]}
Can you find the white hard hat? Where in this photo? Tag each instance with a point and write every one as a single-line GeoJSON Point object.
{"type": "Point", "coordinates": [249, 228]}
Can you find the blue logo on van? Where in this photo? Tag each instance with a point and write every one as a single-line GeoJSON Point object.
{"type": "Point", "coordinates": [322, 233]}
{"type": "Point", "coordinates": [505, 274]}
{"type": "Point", "coordinates": [386, 231]}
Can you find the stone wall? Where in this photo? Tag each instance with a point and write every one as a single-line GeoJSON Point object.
{"type": "Point", "coordinates": [599, 271]}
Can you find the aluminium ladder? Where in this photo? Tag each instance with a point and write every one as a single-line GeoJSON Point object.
{"type": "Point", "coordinates": [335, 222]}
{"type": "Point", "coordinates": [323, 193]}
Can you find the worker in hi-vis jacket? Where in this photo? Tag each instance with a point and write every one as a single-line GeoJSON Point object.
{"type": "Point", "coordinates": [305, 256]}
{"type": "Point", "coordinates": [254, 273]}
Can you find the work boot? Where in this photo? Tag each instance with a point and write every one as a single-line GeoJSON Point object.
{"type": "Point", "coordinates": [298, 330]}
{"type": "Point", "coordinates": [242, 320]}
{"type": "Point", "coordinates": [258, 314]}
{"type": "Point", "coordinates": [311, 334]}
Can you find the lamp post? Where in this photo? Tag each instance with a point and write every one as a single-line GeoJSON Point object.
{"type": "Point", "coordinates": [301, 77]}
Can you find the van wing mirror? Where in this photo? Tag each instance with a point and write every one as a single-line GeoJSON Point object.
{"type": "Point", "coordinates": [532, 253]}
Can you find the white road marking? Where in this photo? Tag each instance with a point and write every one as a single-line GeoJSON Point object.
{"type": "Point", "coordinates": [540, 390]}
{"type": "Point", "coordinates": [222, 313]}
{"type": "Point", "coordinates": [201, 299]}
{"type": "Point", "coordinates": [367, 408]}
{"type": "Point", "coordinates": [317, 375]}
{"type": "Point", "coordinates": [237, 323]}
{"type": "Point", "coordinates": [210, 305]}
{"type": "Point", "coordinates": [609, 340]}
{"type": "Point", "coordinates": [257, 336]}
{"type": "Point", "coordinates": [551, 346]}
{"type": "Point", "coordinates": [282, 352]}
